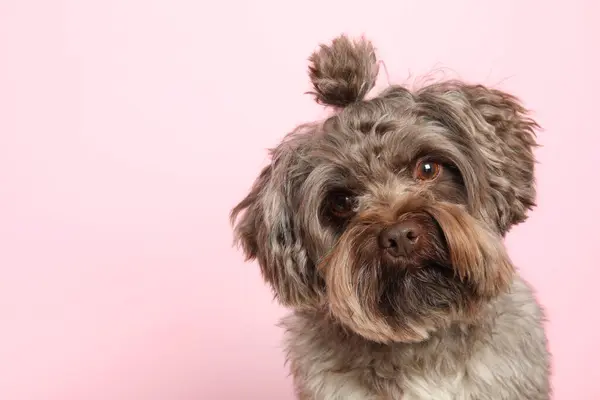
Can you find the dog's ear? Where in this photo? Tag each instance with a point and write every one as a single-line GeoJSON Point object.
{"type": "Point", "coordinates": [343, 72]}
{"type": "Point", "coordinates": [512, 140]}
{"type": "Point", "coordinates": [265, 227]}
{"type": "Point", "coordinates": [504, 137]}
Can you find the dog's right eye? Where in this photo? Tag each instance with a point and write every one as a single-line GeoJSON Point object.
{"type": "Point", "coordinates": [342, 205]}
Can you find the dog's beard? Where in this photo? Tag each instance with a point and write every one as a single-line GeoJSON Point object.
{"type": "Point", "coordinates": [458, 268]}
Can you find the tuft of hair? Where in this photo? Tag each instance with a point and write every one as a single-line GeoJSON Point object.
{"type": "Point", "coordinates": [343, 72]}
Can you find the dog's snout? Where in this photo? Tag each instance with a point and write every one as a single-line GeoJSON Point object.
{"type": "Point", "coordinates": [400, 239]}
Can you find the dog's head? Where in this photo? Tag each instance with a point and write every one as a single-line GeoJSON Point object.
{"type": "Point", "coordinates": [392, 212]}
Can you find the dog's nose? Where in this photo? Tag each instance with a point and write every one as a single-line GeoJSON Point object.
{"type": "Point", "coordinates": [400, 239]}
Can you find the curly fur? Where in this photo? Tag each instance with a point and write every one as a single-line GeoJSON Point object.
{"type": "Point", "coordinates": [453, 320]}
{"type": "Point", "coordinates": [344, 72]}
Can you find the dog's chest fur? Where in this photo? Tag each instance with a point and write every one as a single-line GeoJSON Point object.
{"type": "Point", "coordinates": [504, 358]}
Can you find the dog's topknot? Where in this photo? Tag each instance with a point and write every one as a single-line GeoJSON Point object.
{"type": "Point", "coordinates": [343, 72]}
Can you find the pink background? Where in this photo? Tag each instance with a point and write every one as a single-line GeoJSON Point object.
{"type": "Point", "coordinates": [129, 128]}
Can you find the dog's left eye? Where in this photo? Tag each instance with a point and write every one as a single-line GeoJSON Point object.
{"type": "Point", "coordinates": [427, 170]}
{"type": "Point", "coordinates": [342, 205]}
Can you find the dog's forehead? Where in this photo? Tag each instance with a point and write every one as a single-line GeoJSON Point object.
{"type": "Point", "coordinates": [373, 149]}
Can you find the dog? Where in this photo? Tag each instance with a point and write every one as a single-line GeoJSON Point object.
{"type": "Point", "coordinates": [381, 227]}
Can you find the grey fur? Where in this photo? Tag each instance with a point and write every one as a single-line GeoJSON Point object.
{"type": "Point", "coordinates": [452, 321]}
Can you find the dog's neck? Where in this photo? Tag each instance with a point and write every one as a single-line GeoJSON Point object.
{"type": "Point", "coordinates": [322, 321]}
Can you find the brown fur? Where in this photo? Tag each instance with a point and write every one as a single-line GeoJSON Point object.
{"type": "Point", "coordinates": [451, 320]}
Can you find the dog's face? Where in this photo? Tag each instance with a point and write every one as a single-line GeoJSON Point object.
{"type": "Point", "coordinates": [391, 213]}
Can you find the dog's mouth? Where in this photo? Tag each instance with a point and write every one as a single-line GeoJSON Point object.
{"type": "Point", "coordinates": [401, 280]}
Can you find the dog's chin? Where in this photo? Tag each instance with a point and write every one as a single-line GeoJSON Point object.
{"type": "Point", "coordinates": [403, 300]}
{"type": "Point", "coordinates": [419, 297]}
{"type": "Point", "coordinates": [406, 299]}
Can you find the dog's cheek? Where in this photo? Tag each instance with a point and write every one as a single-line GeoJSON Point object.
{"type": "Point", "coordinates": [477, 255]}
